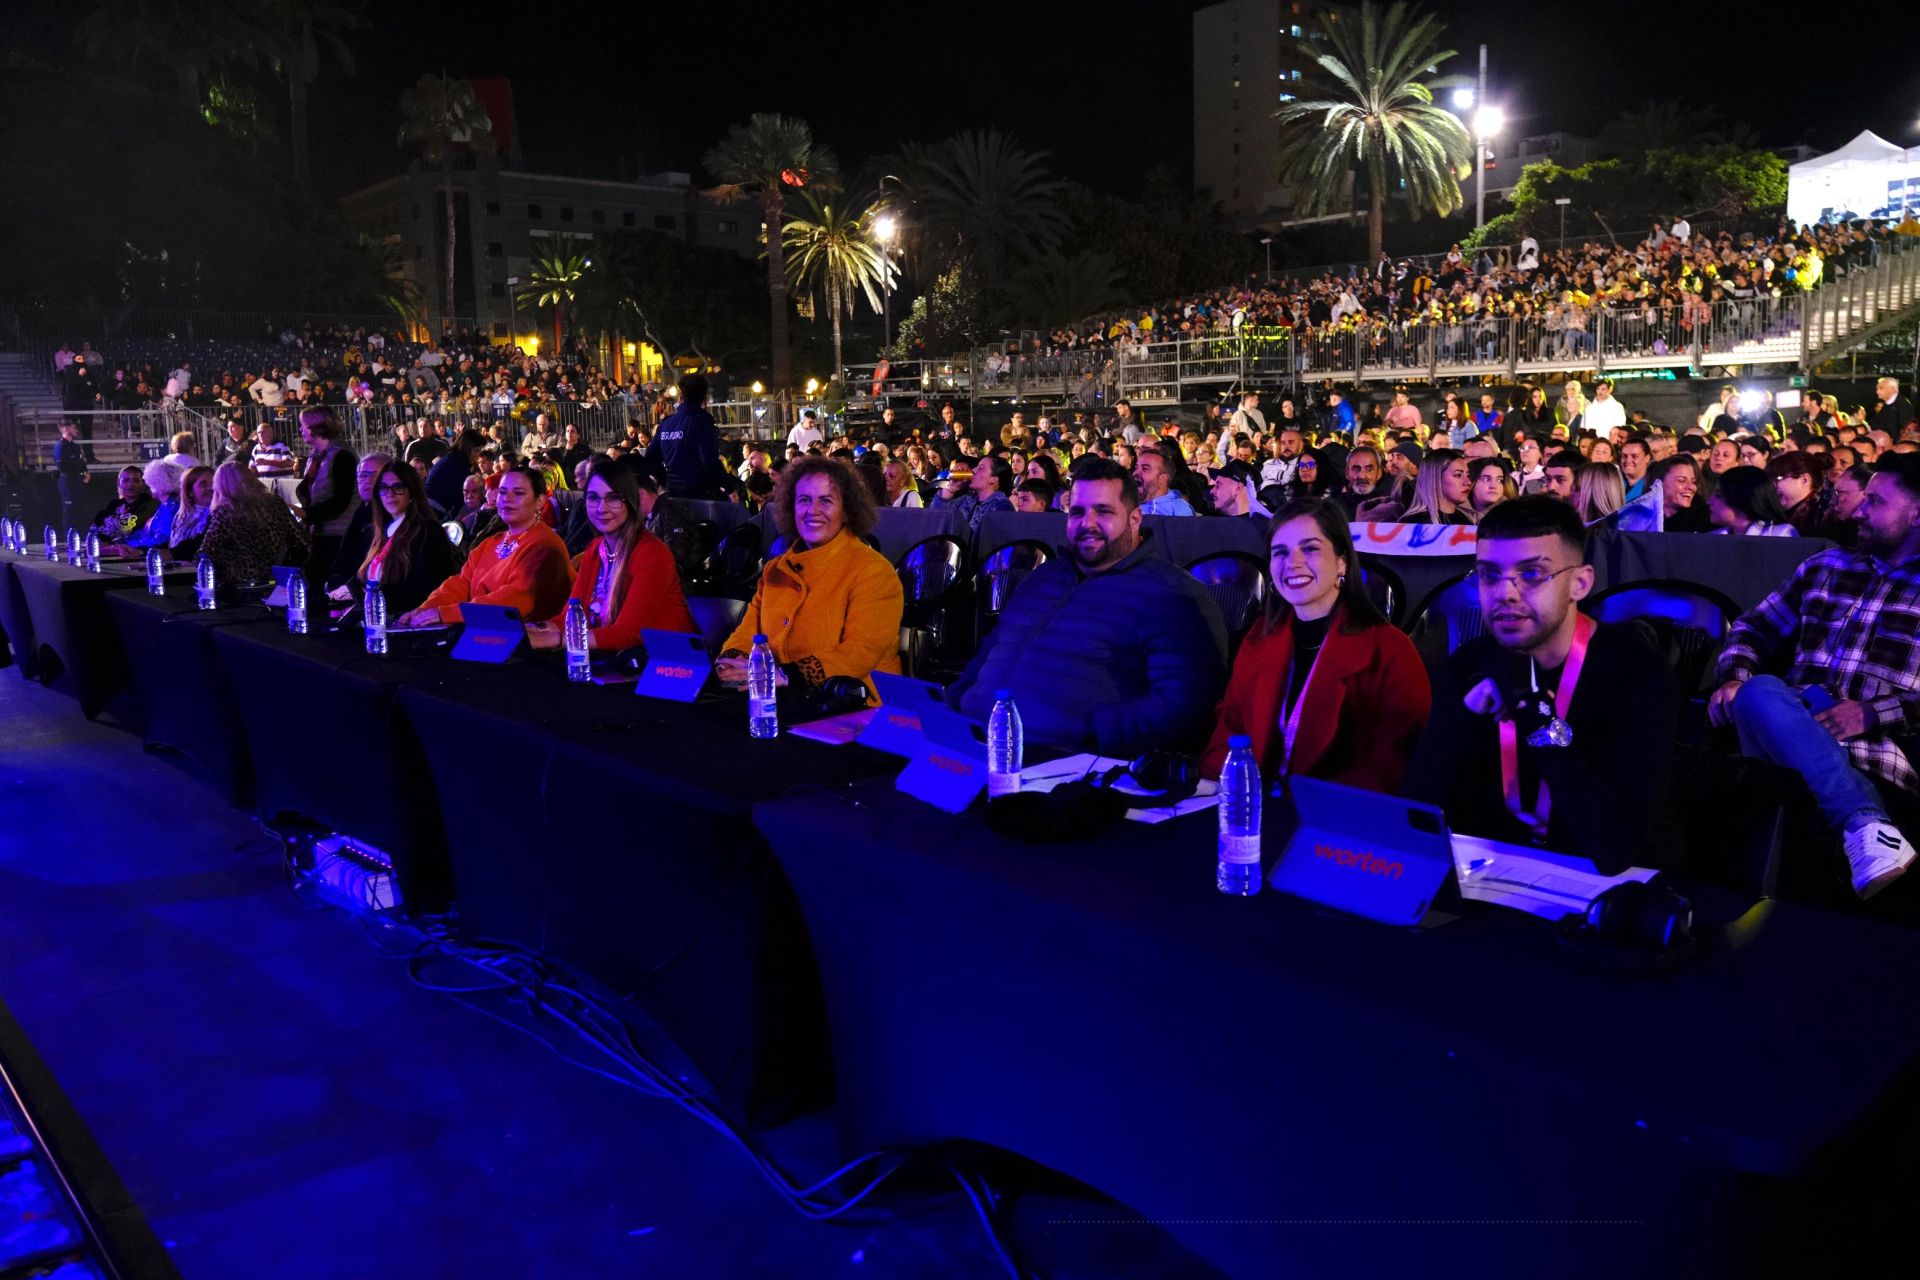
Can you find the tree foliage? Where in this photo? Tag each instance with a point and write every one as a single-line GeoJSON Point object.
{"type": "Point", "coordinates": [1368, 105]}
{"type": "Point", "coordinates": [1621, 196]}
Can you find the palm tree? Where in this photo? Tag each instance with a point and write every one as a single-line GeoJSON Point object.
{"type": "Point", "coordinates": [436, 116]}
{"type": "Point", "coordinates": [765, 159]}
{"type": "Point", "coordinates": [192, 38]}
{"type": "Point", "coordinates": [1367, 105]}
{"type": "Point", "coordinates": [1055, 290]}
{"type": "Point", "coordinates": [297, 33]}
{"type": "Point", "coordinates": [554, 280]}
{"type": "Point", "coordinates": [834, 246]}
{"type": "Point", "coordinates": [979, 198]}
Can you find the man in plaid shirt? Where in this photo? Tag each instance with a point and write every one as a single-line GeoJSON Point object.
{"type": "Point", "coordinates": [1847, 714]}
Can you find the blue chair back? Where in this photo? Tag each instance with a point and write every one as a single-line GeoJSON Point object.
{"type": "Point", "coordinates": [716, 616]}
{"type": "Point", "coordinates": [1451, 610]}
{"type": "Point", "coordinates": [1007, 567]}
{"type": "Point", "coordinates": [1384, 588]}
{"type": "Point", "coordinates": [932, 567]}
{"type": "Point", "coordinates": [1681, 603]}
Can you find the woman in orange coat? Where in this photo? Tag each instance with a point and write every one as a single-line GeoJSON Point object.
{"type": "Point", "coordinates": [830, 605]}
{"type": "Point", "coordinates": [1325, 686]}
{"type": "Point", "coordinates": [524, 568]}
{"type": "Point", "coordinates": [626, 579]}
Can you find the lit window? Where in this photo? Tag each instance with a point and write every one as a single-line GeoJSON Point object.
{"type": "Point", "coordinates": [1286, 97]}
{"type": "Point", "coordinates": [1294, 31]}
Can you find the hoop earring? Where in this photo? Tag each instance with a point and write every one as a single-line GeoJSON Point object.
{"type": "Point", "coordinates": [1340, 581]}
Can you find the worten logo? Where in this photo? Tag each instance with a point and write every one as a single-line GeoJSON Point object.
{"type": "Point", "coordinates": [1367, 862]}
{"type": "Point", "coordinates": [672, 672]}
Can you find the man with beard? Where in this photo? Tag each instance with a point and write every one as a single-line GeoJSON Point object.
{"type": "Point", "coordinates": [1846, 716]}
{"type": "Point", "coordinates": [1287, 444]}
{"type": "Point", "coordinates": [1365, 471]}
{"type": "Point", "coordinates": [1108, 647]}
{"type": "Point", "coordinates": [1553, 730]}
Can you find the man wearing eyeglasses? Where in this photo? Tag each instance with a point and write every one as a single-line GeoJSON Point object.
{"type": "Point", "coordinates": [1551, 730]}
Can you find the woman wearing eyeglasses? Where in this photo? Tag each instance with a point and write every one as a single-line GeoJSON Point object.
{"type": "Point", "coordinates": [408, 553]}
{"type": "Point", "coordinates": [626, 577]}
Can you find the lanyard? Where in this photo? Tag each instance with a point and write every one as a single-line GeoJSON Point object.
{"type": "Point", "coordinates": [379, 559]}
{"type": "Point", "coordinates": [1290, 727]}
{"type": "Point", "coordinates": [1536, 819]}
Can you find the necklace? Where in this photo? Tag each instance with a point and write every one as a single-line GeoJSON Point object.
{"type": "Point", "coordinates": [509, 544]}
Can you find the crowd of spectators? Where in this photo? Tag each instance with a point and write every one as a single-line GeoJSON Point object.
{"type": "Point", "coordinates": [1109, 647]}
{"type": "Point", "coordinates": [1663, 288]}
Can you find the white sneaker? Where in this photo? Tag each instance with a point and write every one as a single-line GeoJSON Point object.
{"type": "Point", "coordinates": [1879, 855]}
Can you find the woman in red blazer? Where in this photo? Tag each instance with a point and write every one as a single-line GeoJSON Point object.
{"type": "Point", "coordinates": [1324, 685]}
{"type": "Point", "coordinates": [626, 577]}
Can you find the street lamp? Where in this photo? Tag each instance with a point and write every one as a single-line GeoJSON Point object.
{"type": "Point", "coordinates": [1487, 123]}
{"type": "Point", "coordinates": [1267, 241]}
{"type": "Point", "coordinates": [1462, 99]}
{"type": "Point", "coordinates": [885, 228]}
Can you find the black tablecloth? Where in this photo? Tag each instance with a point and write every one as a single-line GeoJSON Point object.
{"type": "Point", "coordinates": [183, 699]}
{"type": "Point", "coordinates": [327, 747]}
{"type": "Point", "coordinates": [613, 833]}
{"type": "Point", "coordinates": [1745, 570]}
{"type": "Point", "coordinates": [77, 647]}
{"type": "Point", "coordinates": [897, 529]}
{"type": "Point", "coordinates": [1266, 1078]}
{"type": "Point", "coordinates": [16, 621]}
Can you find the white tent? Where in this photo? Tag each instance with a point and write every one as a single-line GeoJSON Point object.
{"type": "Point", "coordinates": [1867, 178]}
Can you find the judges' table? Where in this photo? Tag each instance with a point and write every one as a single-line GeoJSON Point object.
{"type": "Point", "coordinates": [182, 699]}
{"type": "Point", "coordinates": [318, 720]}
{"type": "Point", "coordinates": [76, 646]}
{"type": "Point", "coordinates": [1298, 1092]}
{"type": "Point", "coordinates": [614, 833]}
{"type": "Point", "coordinates": [15, 619]}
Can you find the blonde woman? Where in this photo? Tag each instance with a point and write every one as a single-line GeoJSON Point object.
{"type": "Point", "coordinates": [1572, 407]}
{"type": "Point", "coordinates": [1598, 491]}
{"type": "Point", "coordinates": [190, 522]}
{"type": "Point", "coordinates": [250, 530]}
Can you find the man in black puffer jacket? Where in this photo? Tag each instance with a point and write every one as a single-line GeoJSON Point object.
{"type": "Point", "coordinates": [1109, 647]}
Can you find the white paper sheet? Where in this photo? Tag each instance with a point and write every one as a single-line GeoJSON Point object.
{"type": "Point", "coordinates": [1536, 881]}
{"type": "Point", "coordinates": [1045, 777]}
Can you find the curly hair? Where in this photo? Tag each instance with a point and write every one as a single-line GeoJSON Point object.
{"type": "Point", "coordinates": [856, 501]}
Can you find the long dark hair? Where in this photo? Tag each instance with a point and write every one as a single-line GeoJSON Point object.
{"type": "Point", "coordinates": [1748, 491]}
{"type": "Point", "coordinates": [416, 524]}
{"type": "Point", "coordinates": [619, 477]}
{"type": "Point", "coordinates": [1355, 608]}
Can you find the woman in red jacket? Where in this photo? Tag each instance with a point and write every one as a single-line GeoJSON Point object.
{"type": "Point", "coordinates": [626, 577]}
{"type": "Point", "coordinates": [1324, 685]}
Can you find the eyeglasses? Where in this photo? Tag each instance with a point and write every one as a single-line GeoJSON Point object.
{"type": "Point", "coordinates": [391, 489]}
{"type": "Point", "coordinates": [604, 500]}
{"type": "Point", "coordinates": [1532, 578]}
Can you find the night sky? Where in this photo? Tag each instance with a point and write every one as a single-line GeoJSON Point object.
{"type": "Point", "coordinates": [1107, 88]}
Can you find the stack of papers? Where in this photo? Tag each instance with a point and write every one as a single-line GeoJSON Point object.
{"type": "Point", "coordinates": [1045, 777]}
{"type": "Point", "coordinates": [1540, 883]}
{"type": "Point", "coordinates": [835, 731]}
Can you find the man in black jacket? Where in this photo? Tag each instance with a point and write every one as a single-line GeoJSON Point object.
{"type": "Point", "coordinates": [685, 452]}
{"type": "Point", "coordinates": [1553, 730]}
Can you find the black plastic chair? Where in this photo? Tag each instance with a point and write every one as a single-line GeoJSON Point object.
{"type": "Point", "coordinates": [1448, 618]}
{"type": "Point", "coordinates": [1238, 584]}
{"type": "Point", "coordinates": [1006, 569]}
{"type": "Point", "coordinates": [934, 577]}
{"type": "Point", "coordinates": [1384, 588]}
{"type": "Point", "coordinates": [1685, 604]}
{"type": "Point", "coordinates": [716, 617]}
{"type": "Point", "coordinates": [735, 564]}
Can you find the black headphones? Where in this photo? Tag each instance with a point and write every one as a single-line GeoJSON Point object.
{"type": "Point", "coordinates": [1635, 929]}
{"type": "Point", "coordinates": [1174, 776]}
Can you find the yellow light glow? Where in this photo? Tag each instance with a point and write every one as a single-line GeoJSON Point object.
{"type": "Point", "coordinates": [632, 351]}
{"type": "Point", "coordinates": [759, 388]}
{"type": "Point", "coordinates": [813, 385]}
{"type": "Point", "coordinates": [530, 344]}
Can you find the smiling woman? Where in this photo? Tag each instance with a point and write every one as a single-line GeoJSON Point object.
{"type": "Point", "coordinates": [1324, 686]}
{"type": "Point", "coordinates": [831, 605]}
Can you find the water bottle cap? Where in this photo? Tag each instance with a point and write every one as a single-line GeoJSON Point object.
{"type": "Point", "coordinates": [1239, 741]}
{"type": "Point", "coordinates": [759, 639]}
{"type": "Point", "coordinates": [1003, 695]}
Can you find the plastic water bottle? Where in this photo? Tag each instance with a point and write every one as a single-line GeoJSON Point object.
{"type": "Point", "coordinates": [6, 533]}
{"type": "Point", "coordinates": [297, 604]}
{"type": "Point", "coordinates": [203, 585]}
{"type": "Point", "coordinates": [76, 548]}
{"type": "Point", "coordinates": [763, 707]}
{"type": "Point", "coordinates": [156, 583]}
{"type": "Point", "coordinates": [579, 644]}
{"type": "Point", "coordinates": [53, 544]}
{"type": "Point", "coordinates": [93, 551]}
{"type": "Point", "coordinates": [1239, 871]}
{"type": "Point", "coordinates": [374, 612]}
{"type": "Point", "coordinates": [1005, 745]}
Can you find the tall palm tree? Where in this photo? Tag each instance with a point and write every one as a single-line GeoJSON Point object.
{"type": "Point", "coordinates": [834, 246]}
{"type": "Point", "coordinates": [766, 159]}
{"type": "Point", "coordinates": [192, 38]}
{"type": "Point", "coordinates": [437, 116]}
{"type": "Point", "coordinates": [554, 280]}
{"type": "Point", "coordinates": [298, 32]}
{"type": "Point", "coordinates": [1054, 290]}
{"type": "Point", "coordinates": [1366, 104]}
{"type": "Point", "coordinates": [979, 198]}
